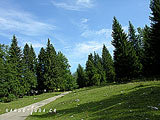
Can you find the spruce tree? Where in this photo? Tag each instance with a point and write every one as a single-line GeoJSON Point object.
{"type": "Point", "coordinates": [154, 40]}
{"type": "Point", "coordinates": [81, 77]}
{"type": "Point", "coordinates": [91, 71]}
{"type": "Point", "coordinates": [108, 65]}
{"type": "Point", "coordinates": [51, 68]}
{"type": "Point", "coordinates": [100, 75]}
{"type": "Point", "coordinates": [29, 75]}
{"type": "Point", "coordinates": [127, 65]}
{"type": "Point", "coordinates": [148, 59]}
{"type": "Point", "coordinates": [15, 60]}
{"type": "Point", "coordinates": [32, 60]}
{"type": "Point", "coordinates": [40, 70]}
{"type": "Point", "coordinates": [133, 38]}
{"type": "Point", "coordinates": [4, 83]}
{"type": "Point", "coordinates": [6, 76]}
{"type": "Point", "coordinates": [66, 81]}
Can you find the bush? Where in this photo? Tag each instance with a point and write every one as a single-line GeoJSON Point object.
{"type": "Point", "coordinates": [10, 98]}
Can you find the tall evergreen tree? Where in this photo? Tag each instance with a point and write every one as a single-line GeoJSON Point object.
{"type": "Point", "coordinates": [126, 62]}
{"type": "Point", "coordinates": [108, 65]}
{"type": "Point", "coordinates": [90, 70]}
{"type": "Point", "coordinates": [29, 74]}
{"type": "Point", "coordinates": [15, 60]}
{"type": "Point", "coordinates": [81, 77]}
{"type": "Point", "coordinates": [40, 70]}
{"type": "Point", "coordinates": [26, 52]}
{"type": "Point", "coordinates": [32, 60]}
{"type": "Point", "coordinates": [133, 38]}
{"type": "Point", "coordinates": [4, 82]}
{"type": "Point", "coordinates": [147, 53]}
{"type": "Point", "coordinates": [100, 73]}
{"type": "Point", "coordinates": [154, 40]}
{"type": "Point", "coordinates": [66, 81]}
{"type": "Point", "coordinates": [51, 68]}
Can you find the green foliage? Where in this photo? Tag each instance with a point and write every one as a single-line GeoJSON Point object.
{"type": "Point", "coordinates": [90, 70]}
{"type": "Point", "coordinates": [51, 74]}
{"type": "Point", "coordinates": [96, 79]}
{"type": "Point", "coordinates": [81, 76]}
{"type": "Point", "coordinates": [127, 65]}
{"type": "Point", "coordinates": [95, 74]}
{"type": "Point", "coordinates": [21, 72]}
{"type": "Point", "coordinates": [135, 39]}
{"type": "Point", "coordinates": [147, 54]}
{"type": "Point", "coordinates": [4, 72]}
{"type": "Point", "coordinates": [154, 39]}
{"type": "Point", "coordinates": [67, 81]}
{"type": "Point", "coordinates": [100, 73]}
{"type": "Point", "coordinates": [29, 69]}
{"type": "Point", "coordinates": [15, 61]}
{"type": "Point", "coordinates": [40, 70]}
{"type": "Point", "coordinates": [108, 65]}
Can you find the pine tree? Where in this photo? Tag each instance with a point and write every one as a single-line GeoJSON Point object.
{"type": "Point", "coordinates": [26, 56]}
{"type": "Point", "coordinates": [51, 68]}
{"type": "Point", "coordinates": [100, 73]}
{"type": "Point", "coordinates": [81, 77]}
{"type": "Point", "coordinates": [66, 81]}
{"type": "Point", "coordinates": [135, 45]}
{"type": "Point", "coordinates": [127, 65]}
{"type": "Point", "coordinates": [133, 38]}
{"type": "Point", "coordinates": [6, 76]}
{"type": "Point", "coordinates": [28, 70]}
{"type": "Point", "coordinates": [147, 53]}
{"type": "Point", "coordinates": [108, 65]}
{"type": "Point", "coordinates": [40, 70]}
{"type": "Point", "coordinates": [4, 90]}
{"type": "Point", "coordinates": [91, 71]}
{"type": "Point", "coordinates": [32, 60]}
{"type": "Point", "coordinates": [15, 60]}
{"type": "Point", "coordinates": [154, 39]}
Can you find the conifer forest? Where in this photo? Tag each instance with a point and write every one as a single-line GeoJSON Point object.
{"type": "Point", "coordinates": [136, 56]}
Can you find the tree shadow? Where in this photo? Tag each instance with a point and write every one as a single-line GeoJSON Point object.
{"type": "Point", "coordinates": [136, 105]}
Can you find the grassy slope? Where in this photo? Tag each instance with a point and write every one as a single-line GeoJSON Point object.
{"type": "Point", "coordinates": [27, 100]}
{"type": "Point", "coordinates": [115, 102]}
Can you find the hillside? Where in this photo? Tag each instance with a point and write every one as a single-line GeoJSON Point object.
{"type": "Point", "coordinates": [132, 101]}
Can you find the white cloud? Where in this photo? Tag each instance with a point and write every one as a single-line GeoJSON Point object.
{"type": "Point", "coordinates": [81, 50]}
{"type": "Point", "coordinates": [12, 21]}
{"type": "Point", "coordinates": [36, 45]}
{"type": "Point", "coordinates": [88, 47]}
{"type": "Point", "coordinates": [84, 20]}
{"type": "Point", "coordinates": [85, 3]}
{"type": "Point", "coordinates": [77, 5]}
{"type": "Point", "coordinates": [106, 33]}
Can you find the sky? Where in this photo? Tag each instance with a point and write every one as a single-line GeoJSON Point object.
{"type": "Point", "coordinates": [75, 27]}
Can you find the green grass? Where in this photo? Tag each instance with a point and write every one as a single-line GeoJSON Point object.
{"type": "Point", "coordinates": [26, 100]}
{"type": "Point", "coordinates": [132, 101]}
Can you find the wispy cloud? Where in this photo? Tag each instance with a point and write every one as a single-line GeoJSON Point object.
{"type": "Point", "coordinates": [35, 44]}
{"type": "Point", "coordinates": [83, 49]}
{"type": "Point", "coordinates": [84, 20]}
{"type": "Point", "coordinates": [88, 47]}
{"type": "Point", "coordinates": [22, 22]}
{"type": "Point", "coordinates": [75, 5]}
{"type": "Point", "coordinates": [105, 33]}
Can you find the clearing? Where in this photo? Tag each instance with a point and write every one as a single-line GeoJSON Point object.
{"type": "Point", "coordinates": [131, 101]}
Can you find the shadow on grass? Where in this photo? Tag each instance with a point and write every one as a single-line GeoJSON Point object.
{"type": "Point", "coordinates": [135, 105]}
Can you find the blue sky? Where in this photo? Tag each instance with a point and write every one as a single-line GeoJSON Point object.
{"type": "Point", "coordinates": [75, 27]}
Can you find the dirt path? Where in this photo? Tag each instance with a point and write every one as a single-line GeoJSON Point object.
{"type": "Point", "coordinates": [23, 113]}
